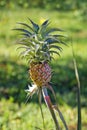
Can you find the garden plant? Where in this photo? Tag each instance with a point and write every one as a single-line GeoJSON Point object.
{"type": "Point", "coordinates": [37, 45]}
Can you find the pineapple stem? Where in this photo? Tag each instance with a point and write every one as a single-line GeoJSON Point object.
{"type": "Point", "coordinates": [49, 105]}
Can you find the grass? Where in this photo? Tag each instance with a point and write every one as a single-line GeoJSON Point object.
{"type": "Point", "coordinates": [23, 117]}
{"type": "Point", "coordinates": [14, 76]}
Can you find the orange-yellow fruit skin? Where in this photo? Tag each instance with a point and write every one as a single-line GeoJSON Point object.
{"type": "Point", "coordinates": [40, 74]}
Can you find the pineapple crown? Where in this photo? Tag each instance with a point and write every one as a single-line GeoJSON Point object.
{"type": "Point", "coordinates": [39, 43]}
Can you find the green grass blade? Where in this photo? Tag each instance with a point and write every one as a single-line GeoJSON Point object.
{"type": "Point", "coordinates": [78, 90]}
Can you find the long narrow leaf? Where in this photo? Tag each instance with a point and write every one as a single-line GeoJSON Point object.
{"type": "Point", "coordinates": [53, 30]}
{"type": "Point", "coordinates": [55, 47]}
{"type": "Point", "coordinates": [28, 44]}
{"type": "Point", "coordinates": [24, 53]}
{"type": "Point", "coordinates": [24, 34]}
{"type": "Point", "coordinates": [43, 28]}
{"type": "Point", "coordinates": [79, 124]}
{"type": "Point", "coordinates": [35, 26]}
{"type": "Point", "coordinates": [61, 116]}
{"type": "Point", "coordinates": [54, 52]}
{"type": "Point", "coordinates": [51, 40]}
{"type": "Point", "coordinates": [23, 30]}
{"type": "Point", "coordinates": [58, 35]}
{"type": "Point", "coordinates": [23, 46]}
{"type": "Point", "coordinates": [45, 23]}
{"type": "Point", "coordinates": [51, 89]}
{"type": "Point", "coordinates": [56, 107]}
{"type": "Point", "coordinates": [26, 26]}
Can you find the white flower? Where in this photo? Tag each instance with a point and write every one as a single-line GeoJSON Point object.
{"type": "Point", "coordinates": [31, 89]}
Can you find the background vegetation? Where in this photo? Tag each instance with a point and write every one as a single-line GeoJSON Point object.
{"type": "Point", "coordinates": [72, 17]}
{"type": "Point", "coordinates": [45, 4]}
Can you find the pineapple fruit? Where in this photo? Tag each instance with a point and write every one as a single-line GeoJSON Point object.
{"type": "Point", "coordinates": [40, 73]}
{"type": "Point", "coordinates": [38, 44]}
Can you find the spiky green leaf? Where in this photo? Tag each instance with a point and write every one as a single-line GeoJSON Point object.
{"type": "Point", "coordinates": [44, 28]}
{"type": "Point", "coordinates": [55, 47]}
{"type": "Point", "coordinates": [25, 53]}
{"type": "Point", "coordinates": [24, 34]}
{"type": "Point", "coordinates": [23, 47]}
{"type": "Point", "coordinates": [23, 30]}
{"type": "Point", "coordinates": [52, 40]}
{"type": "Point", "coordinates": [26, 25]}
{"type": "Point", "coordinates": [54, 52]}
{"type": "Point", "coordinates": [53, 30]}
{"type": "Point", "coordinates": [26, 42]}
{"type": "Point", "coordinates": [35, 26]}
{"type": "Point", "coordinates": [45, 23]}
{"type": "Point", "coordinates": [61, 116]}
{"type": "Point", "coordinates": [57, 35]}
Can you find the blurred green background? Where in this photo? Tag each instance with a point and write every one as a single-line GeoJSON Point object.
{"type": "Point", "coordinates": [71, 15]}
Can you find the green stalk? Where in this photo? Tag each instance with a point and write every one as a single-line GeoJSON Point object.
{"type": "Point", "coordinates": [49, 105]}
{"type": "Point", "coordinates": [78, 91]}
{"type": "Point", "coordinates": [78, 97]}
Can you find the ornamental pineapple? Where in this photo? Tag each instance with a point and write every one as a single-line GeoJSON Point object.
{"type": "Point", "coordinates": [40, 73]}
{"type": "Point", "coordinates": [38, 44]}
